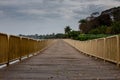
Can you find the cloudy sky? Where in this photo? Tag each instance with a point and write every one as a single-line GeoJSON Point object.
{"type": "Point", "coordinates": [47, 16]}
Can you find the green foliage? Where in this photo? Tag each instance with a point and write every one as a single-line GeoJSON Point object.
{"type": "Point", "coordinates": [84, 37]}
{"type": "Point", "coordinates": [94, 22]}
{"type": "Point", "coordinates": [82, 21]}
{"type": "Point", "coordinates": [47, 36]}
{"type": "Point", "coordinates": [116, 27]}
{"type": "Point", "coordinates": [99, 30]}
{"type": "Point", "coordinates": [109, 30]}
{"type": "Point", "coordinates": [74, 34]}
{"type": "Point", "coordinates": [59, 35]}
{"type": "Point", "coordinates": [105, 18]}
{"type": "Point", "coordinates": [94, 31]}
{"type": "Point", "coordinates": [113, 29]}
{"type": "Point", "coordinates": [116, 13]}
{"type": "Point", "coordinates": [67, 29]}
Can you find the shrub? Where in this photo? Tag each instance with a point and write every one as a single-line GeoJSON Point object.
{"type": "Point", "coordinates": [116, 27]}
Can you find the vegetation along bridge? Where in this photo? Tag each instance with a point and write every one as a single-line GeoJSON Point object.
{"type": "Point", "coordinates": [59, 59]}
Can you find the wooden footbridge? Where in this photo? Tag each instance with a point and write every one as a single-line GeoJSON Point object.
{"type": "Point", "coordinates": [59, 59]}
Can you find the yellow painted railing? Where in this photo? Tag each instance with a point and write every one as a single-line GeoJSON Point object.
{"type": "Point", "coordinates": [104, 48]}
{"type": "Point", "coordinates": [14, 47]}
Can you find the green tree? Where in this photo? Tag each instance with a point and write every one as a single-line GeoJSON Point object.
{"type": "Point", "coordinates": [67, 29]}
{"type": "Point", "coordinates": [116, 27]}
{"type": "Point", "coordinates": [82, 21]}
{"type": "Point", "coordinates": [74, 34]}
{"type": "Point", "coordinates": [59, 35]}
{"type": "Point", "coordinates": [99, 30]}
{"type": "Point", "coordinates": [83, 25]}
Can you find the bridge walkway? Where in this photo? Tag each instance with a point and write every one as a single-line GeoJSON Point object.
{"type": "Point", "coordinates": [61, 62]}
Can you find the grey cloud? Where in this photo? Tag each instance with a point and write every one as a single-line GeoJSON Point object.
{"type": "Point", "coordinates": [53, 1]}
{"type": "Point", "coordinates": [50, 8]}
{"type": "Point", "coordinates": [84, 1]}
{"type": "Point", "coordinates": [117, 0]}
{"type": "Point", "coordinates": [85, 11]}
{"type": "Point", "coordinates": [45, 11]}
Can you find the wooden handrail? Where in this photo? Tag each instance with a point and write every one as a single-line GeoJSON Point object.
{"type": "Point", "coordinates": [105, 48]}
{"type": "Point", "coordinates": [15, 47]}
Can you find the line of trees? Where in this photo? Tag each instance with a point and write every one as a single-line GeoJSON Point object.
{"type": "Point", "coordinates": [95, 26]}
{"type": "Point", "coordinates": [47, 36]}
{"type": "Point", "coordinates": [108, 22]}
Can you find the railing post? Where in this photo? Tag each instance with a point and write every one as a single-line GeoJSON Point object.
{"type": "Point", "coordinates": [96, 49]}
{"type": "Point", "coordinates": [118, 50]}
{"type": "Point", "coordinates": [8, 37]}
{"type": "Point", "coordinates": [90, 46]}
{"type": "Point", "coordinates": [104, 49]}
{"type": "Point", "coordinates": [20, 49]}
{"type": "Point", "coordinates": [28, 47]}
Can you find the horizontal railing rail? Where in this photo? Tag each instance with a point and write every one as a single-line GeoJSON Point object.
{"type": "Point", "coordinates": [15, 47]}
{"type": "Point", "coordinates": [105, 48]}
